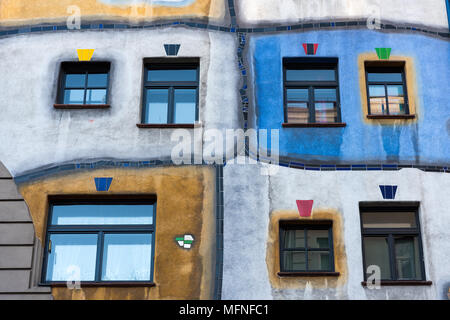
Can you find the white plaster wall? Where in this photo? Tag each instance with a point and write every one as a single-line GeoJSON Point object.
{"type": "Point", "coordinates": [246, 222]}
{"type": "Point", "coordinates": [431, 12]}
{"type": "Point", "coordinates": [34, 134]}
{"type": "Point", "coordinates": [251, 198]}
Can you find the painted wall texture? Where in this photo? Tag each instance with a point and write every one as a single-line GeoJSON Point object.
{"type": "Point", "coordinates": [240, 52]}
{"type": "Point", "coordinates": [430, 13]}
{"type": "Point", "coordinates": [19, 12]}
{"type": "Point", "coordinates": [250, 269]}
{"type": "Point", "coordinates": [185, 205]}
{"type": "Point", "coordinates": [56, 136]}
{"type": "Point", "coordinates": [364, 140]}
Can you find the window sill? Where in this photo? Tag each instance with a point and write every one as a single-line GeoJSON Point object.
{"type": "Point", "coordinates": [387, 117]}
{"type": "Point", "coordinates": [402, 283]}
{"type": "Point", "coordinates": [166, 126]}
{"type": "Point", "coordinates": [314, 125]}
{"type": "Point", "coordinates": [126, 284]}
{"type": "Point", "coordinates": [308, 274]}
{"type": "Point", "coordinates": [81, 106]}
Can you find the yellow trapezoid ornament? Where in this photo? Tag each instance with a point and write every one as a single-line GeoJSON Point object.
{"type": "Point", "coordinates": [85, 54]}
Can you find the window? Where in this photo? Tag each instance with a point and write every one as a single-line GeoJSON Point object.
{"type": "Point", "coordinates": [311, 91]}
{"type": "Point", "coordinates": [170, 93]}
{"type": "Point", "coordinates": [109, 241]}
{"type": "Point", "coordinates": [84, 83]}
{"type": "Point", "coordinates": [391, 241]}
{"type": "Point", "coordinates": [306, 247]}
{"type": "Point", "coordinates": [386, 90]}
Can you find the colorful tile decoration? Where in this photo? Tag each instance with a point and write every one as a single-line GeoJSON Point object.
{"type": "Point", "coordinates": [305, 207]}
{"type": "Point", "coordinates": [103, 184]}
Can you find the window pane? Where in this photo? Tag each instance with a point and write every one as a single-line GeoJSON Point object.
{"type": "Point", "coordinates": [407, 259]}
{"type": "Point", "coordinates": [294, 239]}
{"type": "Point", "coordinates": [74, 96]}
{"type": "Point", "coordinates": [101, 214]}
{"type": "Point", "coordinates": [325, 95]}
{"type": "Point", "coordinates": [185, 105]}
{"type": "Point", "coordinates": [127, 257]}
{"type": "Point", "coordinates": [396, 90]}
{"type": "Point", "coordinates": [317, 238]}
{"type": "Point", "coordinates": [299, 114]}
{"type": "Point", "coordinates": [377, 91]}
{"type": "Point", "coordinates": [318, 260]}
{"type": "Point", "coordinates": [297, 105]}
{"type": "Point", "coordinates": [97, 96]}
{"type": "Point", "coordinates": [396, 100]}
{"type": "Point", "coordinates": [376, 251]}
{"type": "Point", "coordinates": [297, 95]}
{"type": "Point", "coordinates": [378, 104]}
{"type": "Point", "coordinates": [294, 260]}
{"type": "Point", "coordinates": [97, 80]}
{"type": "Point", "coordinates": [157, 106]}
{"type": "Point", "coordinates": [397, 105]}
{"type": "Point", "coordinates": [310, 75]}
{"type": "Point", "coordinates": [389, 220]}
{"type": "Point", "coordinates": [385, 77]}
{"type": "Point", "coordinates": [70, 252]}
{"type": "Point", "coordinates": [75, 80]}
{"type": "Point", "coordinates": [326, 112]}
{"type": "Point", "coordinates": [172, 75]}
{"type": "Point", "coordinates": [325, 104]}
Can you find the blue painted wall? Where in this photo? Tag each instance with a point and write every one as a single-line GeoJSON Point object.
{"type": "Point", "coordinates": [447, 2]}
{"type": "Point", "coordinates": [426, 141]}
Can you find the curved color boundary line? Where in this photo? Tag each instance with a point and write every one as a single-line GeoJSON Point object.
{"type": "Point", "coordinates": [70, 167]}
{"type": "Point", "coordinates": [303, 27]}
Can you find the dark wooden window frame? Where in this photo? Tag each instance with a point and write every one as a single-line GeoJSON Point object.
{"type": "Point", "coordinates": [390, 233]}
{"type": "Point", "coordinates": [311, 64]}
{"type": "Point", "coordinates": [100, 230]}
{"type": "Point", "coordinates": [387, 67]}
{"type": "Point", "coordinates": [79, 68]}
{"type": "Point", "coordinates": [299, 225]}
{"type": "Point", "coordinates": [170, 64]}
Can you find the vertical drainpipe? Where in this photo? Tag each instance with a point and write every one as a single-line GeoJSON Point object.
{"type": "Point", "coordinates": [448, 12]}
{"type": "Point", "coordinates": [219, 233]}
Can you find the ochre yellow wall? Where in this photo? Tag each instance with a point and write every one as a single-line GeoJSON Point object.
{"type": "Point", "coordinates": [24, 12]}
{"type": "Point", "coordinates": [411, 88]}
{"type": "Point", "coordinates": [185, 205]}
{"type": "Point", "coordinates": [273, 251]}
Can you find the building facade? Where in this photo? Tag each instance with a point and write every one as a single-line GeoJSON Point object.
{"type": "Point", "coordinates": [125, 172]}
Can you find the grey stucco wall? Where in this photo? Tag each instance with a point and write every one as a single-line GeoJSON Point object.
{"type": "Point", "coordinates": [431, 12]}
{"type": "Point", "coordinates": [246, 217]}
{"type": "Point", "coordinates": [28, 88]}
{"type": "Point", "coordinates": [250, 200]}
